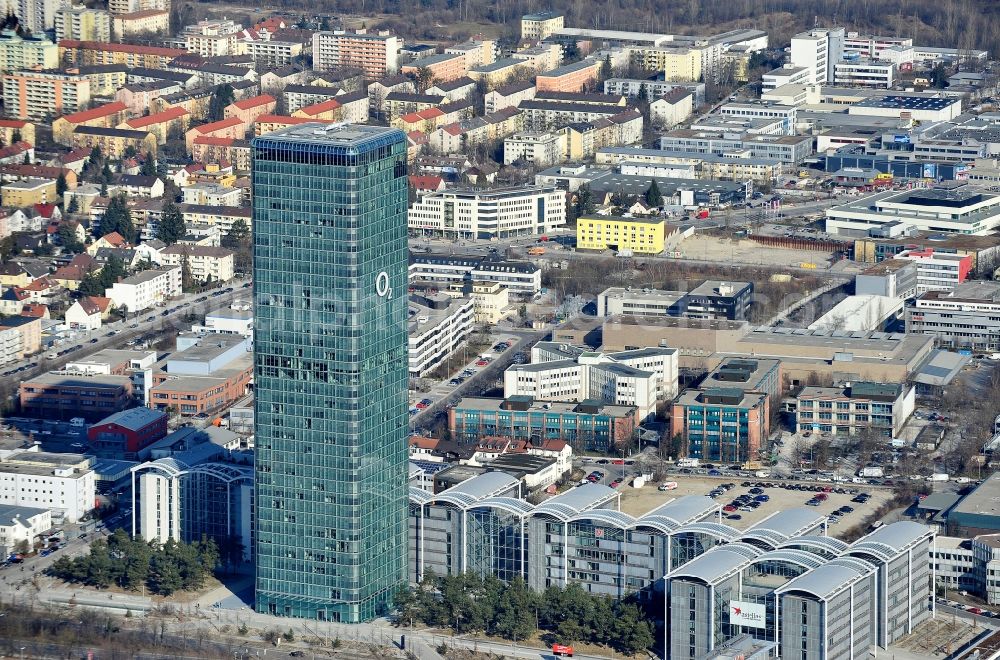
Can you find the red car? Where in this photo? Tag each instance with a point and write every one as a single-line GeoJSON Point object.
{"type": "Point", "coordinates": [729, 508]}
{"type": "Point", "coordinates": [822, 497]}
{"type": "Point", "coordinates": [482, 363]}
{"type": "Point", "coordinates": [420, 405]}
{"type": "Point", "coordinates": [618, 461]}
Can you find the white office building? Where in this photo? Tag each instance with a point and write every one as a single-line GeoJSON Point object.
{"type": "Point", "coordinates": [61, 483]}
{"type": "Point", "coordinates": [818, 50]}
{"type": "Point", "coordinates": [864, 73]}
{"type": "Point", "coordinates": [438, 325]}
{"type": "Point", "coordinates": [560, 372]}
{"type": "Point", "coordinates": [146, 289]}
{"type": "Point", "coordinates": [786, 75]}
{"type": "Point", "coordinates": [498, 213]}
{"type": "Point", "coordinates": [937, 210]}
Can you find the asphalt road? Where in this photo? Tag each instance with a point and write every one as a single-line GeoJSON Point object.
{"type": "Point", "coordinates": [482, 379]}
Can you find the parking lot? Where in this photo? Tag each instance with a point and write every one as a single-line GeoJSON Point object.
{"type": "Point", "coordinates": [780, 496]}
{"type": "Point", "coordinates": [440, 389]}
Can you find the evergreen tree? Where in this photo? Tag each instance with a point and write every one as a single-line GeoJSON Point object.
{"type": "Point", "coordinates": [606, 71]}
{"type": "Point", "coordinates": [221, 97]}
{"type": "Point", "coordinates": [68, 238]}
{"type": "Point", "coordinates": [74, 205]}
{"type": "Point", "coordinates": [106, 174]}
{"type": "Point", "coordinates": [148, 165]}
{"type": "Point", "coordinates": [118, 218]}
{"type": "Point", "coordinates": [171, 226]}
{"type": "Point", "coordinates": [239, 241]}
{"type": "Point", "coordinates": [584, 201]}
{"type": "Point", "coordinates": [653, 195]}
{"type": "Point", "coordinates": [15, 136]}
{"type": "Point", "coordinates": [187, 279]}
{"type": "Point", "coordinates": [27, 158]}
{"type": "Point", "coordinates": [61, 186]}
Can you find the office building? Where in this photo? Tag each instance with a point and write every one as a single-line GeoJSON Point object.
{"type": "Point", "coordinates": [918, 108]}
{"type": "Point", "coordinates": [726, 424]}
{"type": "Point", "coordinates": [497, 213]}
{"type": "Point", "coordinates": [786, 148]}
{"type": "Point", "coordinates": [880, 409]}
{"type": "Point", "coordinates": [864, 73]}
{"type": "Point", "coordinates": [177, 501]}
{"type": "Point", "coordinates": [330, 370]}
{"type": "Point", "coordinates": [123, 434]}
{"type": "Point", "coordinates": [61, 483]}
{"type": "Point", "coordinates": [817, 51]}
{"type": "Point", "coordinates": [893, 278]}
{"type": "Point", "coordinates": [375, 54]}
{"type": "Point", "coordinates": [812, 595]}
{"type": "Point", "coordinates": [638, 235]}
{"type": "Point", "coordinates": [645, 378]}
{"type": "Point", "coordinates": [589, 425]}
{"type": "Point", "coordinates": [522, 279]}
{"type": "Point", "coordinates": [959, 210]}
{"type": "Point", "coordinates": [63, 395]}
{"type": "Point", "coordinates": [205, 374]}
{"type": "Point", "coordinates": [711, 299]}
{"type": "Point", "coordinates": [967, 317]}
{"type": "Point", "coordinates": [938, 271]}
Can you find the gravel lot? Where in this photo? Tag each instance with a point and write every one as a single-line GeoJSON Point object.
{"type": "Point", "coordinates": [746, 251]}
{"type": "Point", "coordinates": [638, 501]}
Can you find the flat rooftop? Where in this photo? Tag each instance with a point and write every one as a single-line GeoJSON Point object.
{"type": "Point", "coordinates": [76, 380]}
{"type": "Point", "coordinates": [339, 135]}
{"type": "Point", "coordinates": [677, 322]}
{"type": "Point", "coordinates": [555, 407]}
{"type": "Point", "coordinates": [209, 347]}
{"type": "Point", "coordinates": [906, 102]}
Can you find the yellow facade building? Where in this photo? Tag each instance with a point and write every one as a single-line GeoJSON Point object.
{"type": "Point", "coordinates": [22, 194]}
{"type": "Point", "coordinates": [639, 235]}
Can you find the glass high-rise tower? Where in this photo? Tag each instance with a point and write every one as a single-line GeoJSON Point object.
{"type": "Point", "coordinates": [330, 370]}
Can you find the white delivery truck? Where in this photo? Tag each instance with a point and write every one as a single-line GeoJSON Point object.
{"type": "Point", "coordinates": [938, 476]}
{"type": "Point", "coordinates": [871, 471]}
{"type": "Point", "coordinates": [687, 462]}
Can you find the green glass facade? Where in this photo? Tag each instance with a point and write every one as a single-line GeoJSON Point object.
{"type": "Point", "coordinates": [330, 369]}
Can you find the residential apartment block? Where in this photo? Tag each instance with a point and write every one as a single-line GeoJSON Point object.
{"type": "Point", "coordinates": [31, 94]}
{"type": "Point", "coordinates": [206, 263]}
{"type": "Point", "coordinates": [438, 325]}
{"type": "Point", "coordinates": [146, 289]}
{"type": "Point", "coordinates": [82, 23]}
{"type": "Point", "coordinates": [376, 54]}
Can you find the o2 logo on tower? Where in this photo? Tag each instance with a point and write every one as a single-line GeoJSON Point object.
{"type": "Point", "coordinates": [382, 287]}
